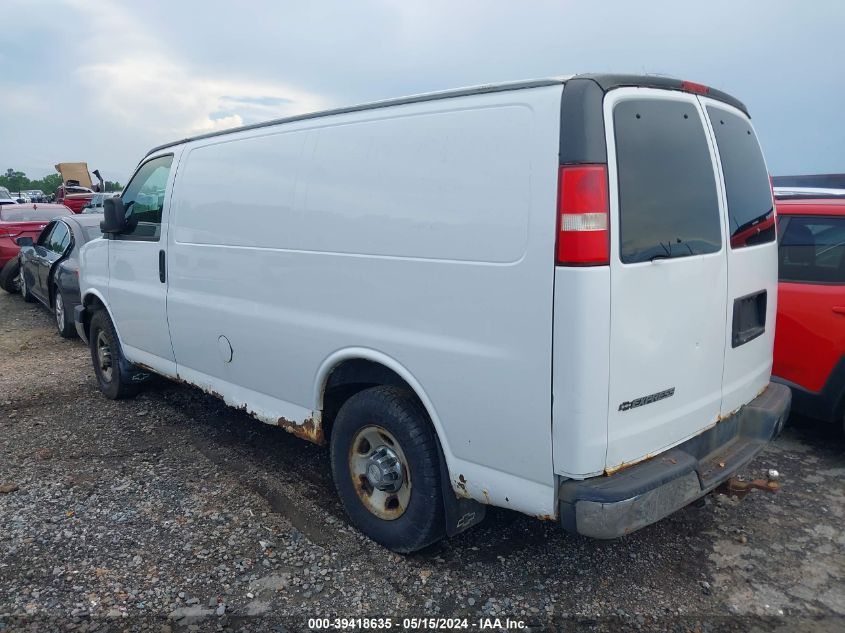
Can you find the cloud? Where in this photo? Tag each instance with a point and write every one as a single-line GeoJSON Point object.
{"type": "Point", "coordinates": [105, 81]}
{"type": "Point", "coordinates": [165, 98]}
{"type": "Point", "coordinates": [148, 87]}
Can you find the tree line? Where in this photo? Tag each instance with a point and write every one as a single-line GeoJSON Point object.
{"type": "Point", "coordinates": [16, 181]}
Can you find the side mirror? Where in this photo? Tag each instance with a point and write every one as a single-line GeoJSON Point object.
{"type": "Point", "coordinates": [24, 241]}
{"type": "Point", "coordinates": [115, 216]}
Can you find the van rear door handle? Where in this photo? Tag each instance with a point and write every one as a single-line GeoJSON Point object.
{"type": "Point", "coordinates": [839, 310]}
{"type": "Point", "coordinates": [161, 276]}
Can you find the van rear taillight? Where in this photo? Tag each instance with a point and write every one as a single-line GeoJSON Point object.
{"type": "Point", "coordinates": [583, 237]}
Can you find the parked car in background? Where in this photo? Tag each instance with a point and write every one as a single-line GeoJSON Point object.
{"type": "Point", "coordinates": [95, 204]}
{"type": "Point", "coordinates": [49, 266]}
{"type": "Point", "coordinates": [36, 195]}
{"type": "Point", "coordinates": [6, 197]}
{"type": "Point", "coordinates": [77, 187]}
{"type": "Point", "coordinates": [20, 220]}
{"type": "Point", "coordinates": [810, 342]}
{"type": "Point", "coordinates": [74, 197]}
{"type": "Point", "coordinates": [508, 295]}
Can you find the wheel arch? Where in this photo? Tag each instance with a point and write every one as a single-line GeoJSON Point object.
{"type": "Point", "coordinates": [92, 300]}
{"type": "Point", "coordinates": [348, 371]}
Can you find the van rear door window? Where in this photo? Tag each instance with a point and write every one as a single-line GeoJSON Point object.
{"type": "Point", "coordinates": [750, 209]}
{"type": "Point", "coordinates": [668, 205]}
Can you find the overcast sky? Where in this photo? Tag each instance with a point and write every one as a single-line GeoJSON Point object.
{"type": "Point", "coordinates": [102, 82]}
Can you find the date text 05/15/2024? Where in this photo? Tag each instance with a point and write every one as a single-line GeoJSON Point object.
{"type": "Point", "coordinates": [429, 624]}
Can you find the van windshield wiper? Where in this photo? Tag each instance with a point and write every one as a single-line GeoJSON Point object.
{"type": "Point", "coordinates": [666, 254]}
{"type": "Point", "coordinates": [753, 221]}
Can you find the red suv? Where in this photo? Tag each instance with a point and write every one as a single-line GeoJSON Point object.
{"type": "Point", "coordinates": [810, 335]}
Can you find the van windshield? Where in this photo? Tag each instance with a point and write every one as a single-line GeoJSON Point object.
{"type": "Point", "coordinates": [668, 205]}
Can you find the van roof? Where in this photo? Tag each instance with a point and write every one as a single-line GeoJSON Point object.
{"type": "Point", "coordinates": [605, 81]}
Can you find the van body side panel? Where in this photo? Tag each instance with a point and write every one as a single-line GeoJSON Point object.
{"type": "Point", "coordinates": [423, 232]}
{"type": "Point", "coordinates": [581, 367]}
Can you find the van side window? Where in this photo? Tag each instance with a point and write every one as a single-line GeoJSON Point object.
{"type": "Point", "coordinates": [668, 205]}
{"type": "Point", "coordinates": [143, 200]}
{"type": "Point", "coordinates": [812, 249]}
{"type": "Point", "coordinates": [750, 208]}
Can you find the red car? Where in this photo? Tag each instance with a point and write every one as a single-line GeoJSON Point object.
{"type": "Point", "coordinates": [810, 331]}
{"type": "Point", "coordinates": [24, 220]}
{"type": "Point", "coordinates": [73, 197]}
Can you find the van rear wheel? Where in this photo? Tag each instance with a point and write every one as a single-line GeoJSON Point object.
{"type": "Point", "coordinates": [108, 357]}
{"type": "Point", "coordinates": [386, 469]}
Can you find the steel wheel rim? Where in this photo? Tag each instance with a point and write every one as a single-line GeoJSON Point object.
{"type": "Point", "coordinates": [375, 455]}
{"type": "Point", "coordinates": [104, 359]}
{"type": "Point", "coordinates": [22, 282]}
{"type": "Point", "coordinates": [60, 311]}
{"type": "Point", "coordinates": [16, 282]}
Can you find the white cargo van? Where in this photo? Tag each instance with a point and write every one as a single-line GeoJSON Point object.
{"type": "Point", "coordinates": [553, 296]}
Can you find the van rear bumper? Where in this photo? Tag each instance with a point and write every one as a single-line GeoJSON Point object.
{"type": "Point", "coordinates": [608, 507]}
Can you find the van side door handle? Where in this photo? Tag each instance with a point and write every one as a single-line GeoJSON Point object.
{"type": "Point", "coordinates": [161, 276]}
{"type": "Point", "coordinates": [839, 310]}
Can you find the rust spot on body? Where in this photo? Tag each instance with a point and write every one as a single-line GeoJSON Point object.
{"type": "Point", "coordinates": [460, 487]}
{"type": "Point", "coordinates": [310, 429]}
{"type": "Point", "coordinates": [615, 469]}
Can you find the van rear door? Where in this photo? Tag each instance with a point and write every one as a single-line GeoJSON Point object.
{"type": "Point", "coordinates": [669, 272]}
{"type": "Point", "coordinates": [752, 256]}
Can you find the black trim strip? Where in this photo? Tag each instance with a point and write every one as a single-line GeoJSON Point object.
{"type": "Point", "coordinates": [610, 82]}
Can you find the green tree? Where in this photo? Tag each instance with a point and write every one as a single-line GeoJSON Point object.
{"type": "Point", "coordinates": [14, 180]}
{"type": "Point", "coordinates": [48, 184]}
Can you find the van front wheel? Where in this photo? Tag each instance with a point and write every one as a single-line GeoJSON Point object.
{"type": "Point", "coordinates": [107, 358]}
{"type": "Point", "coordinates": [386, 469]}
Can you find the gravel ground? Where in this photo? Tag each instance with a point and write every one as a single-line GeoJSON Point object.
{"type": "Point", "coordinates": [173, 512]}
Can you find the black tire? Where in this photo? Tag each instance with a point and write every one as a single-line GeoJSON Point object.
{"type": "Point", "coordinates": [24, 288]}
{"type": "Point", "coordinates": [9, 276]}
{"type": "Point", "coordinates": [112, 383]}
{"type": "Point", "coordinates": [397, 411]}
{"type": "Point", "coordinates": [64, 321]}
